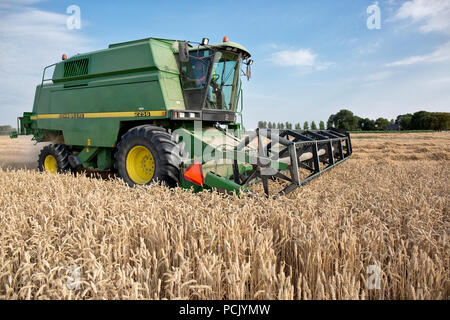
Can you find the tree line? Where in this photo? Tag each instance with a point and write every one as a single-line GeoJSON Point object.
{"type": "Point", "coordinates": [5, 130]}
{"type": "Point", "coordinates": [290, 126]}
{"type": "Point", "coordinates": [346, 120]}
{"type": "Point", "coordinates": [421, 120]}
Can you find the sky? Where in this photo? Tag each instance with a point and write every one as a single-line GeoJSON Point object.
{"type": "Point", "coordinates": [312, 58]}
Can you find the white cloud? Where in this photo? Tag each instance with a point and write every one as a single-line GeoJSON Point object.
{"type": "Point", "coordinates": [272, 46]}
{"type": "Point", "coordinates": [298, 58]}
{"type": "Point", "coordinates": [443, 81]}
{"type": "Point", "coordinates": [30, 39]}
{"type": "Point", "coordinates": [323, 65]}
{"type": "Point", "coordinates": [369, 48]}
{"type": "Point", "coordinates": [442, 53]}
{"type": "Point", "coordinates": [379, 76]}
{"type": "Point", "coordinates": [7, 4]}
{"type": "Point", "coordinates": [434, 15]}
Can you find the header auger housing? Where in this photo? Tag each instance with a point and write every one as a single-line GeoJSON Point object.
{"type": "Point", "coordinates": [166, 110]}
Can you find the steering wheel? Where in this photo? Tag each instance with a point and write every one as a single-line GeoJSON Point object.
{"type": "Point", "coordinates": [215, 77]}
{"type": "Point", "coordinates": [214, 83]}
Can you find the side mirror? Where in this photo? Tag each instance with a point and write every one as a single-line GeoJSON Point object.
{"type": "Point", "coordinates": [183, 51]}
{"type": "Point", "coordinates": [249, 69]}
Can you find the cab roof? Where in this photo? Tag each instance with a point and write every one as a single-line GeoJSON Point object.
{"type": "Point", "coordinates": [234, 47]}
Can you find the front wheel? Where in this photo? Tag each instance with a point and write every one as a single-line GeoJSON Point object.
{"type": "Point", "coordinates": [146, 154]}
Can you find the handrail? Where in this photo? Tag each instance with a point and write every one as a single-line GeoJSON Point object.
{"type": "Point", "coordinates": [43, 74]}
{"type": "Point", "coordinates": [239, 112]}
{"type": "Point", "coordinates": [42, 82]}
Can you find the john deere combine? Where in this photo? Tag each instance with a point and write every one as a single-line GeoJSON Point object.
{"type": "Point", "coordinates": [166, 110]}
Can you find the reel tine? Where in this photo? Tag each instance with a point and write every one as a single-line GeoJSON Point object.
{"type": "Point", "coordinates": [265, 181]}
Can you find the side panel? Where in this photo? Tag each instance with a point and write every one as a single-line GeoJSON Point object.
{"type": "Point", "coordinates": [93, 113]}
{"type": "Point", "coordinates": [108, 97]}
{"type": "Point", "coordinates": [173, 95]}
{"type": "Point", "coordinates": [169, 76]}
{"type": "Point", "coordinates": [131, 82]}
{"type": "Point", "coordinates": [106, 62]}
{"type": "Point", "coordinates": [85, 132]}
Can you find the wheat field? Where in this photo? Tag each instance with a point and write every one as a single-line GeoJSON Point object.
{"type": "Point", "coordinates": [375, 227]}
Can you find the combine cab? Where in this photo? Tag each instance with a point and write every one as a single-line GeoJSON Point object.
{"type": "Point", "coordinates": [167, 110]}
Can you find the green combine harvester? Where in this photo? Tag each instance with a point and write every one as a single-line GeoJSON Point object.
{"type": "Point", "coordinates": [167, 110]}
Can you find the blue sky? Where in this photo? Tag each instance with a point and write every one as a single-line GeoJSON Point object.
{"type": "Point", "coordinates": [312, 58]}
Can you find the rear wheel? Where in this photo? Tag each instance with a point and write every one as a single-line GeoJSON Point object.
{"type": "Point", "coordinates": [54, 159]}
{"type": "Point", "coordinates": [146, 154]}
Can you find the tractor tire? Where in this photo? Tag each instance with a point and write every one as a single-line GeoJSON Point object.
{"type": "Point", "coordinates": [54, 158]}
{"type": "Point", "coordinates": [146, 154]}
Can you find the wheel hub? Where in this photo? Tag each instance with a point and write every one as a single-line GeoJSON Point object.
{"type": "Point", "coordinates": [50, 164]}
{"type": "Point", "coordinates": [140, 165]}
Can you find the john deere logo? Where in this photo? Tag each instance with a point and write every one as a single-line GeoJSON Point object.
{"type": "Point", "coordinates": [71, 115]}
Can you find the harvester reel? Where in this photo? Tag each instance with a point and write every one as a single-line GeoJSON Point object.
{"type": "Point", "coordinates": [315, 151]}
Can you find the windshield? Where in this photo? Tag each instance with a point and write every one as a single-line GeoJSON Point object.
{"type": "Point", "coordinates": [222, 85]}
{"type": "Point", "coordinates": [209, 79]}
{"type": "Point", "coordinates": [195, 71]}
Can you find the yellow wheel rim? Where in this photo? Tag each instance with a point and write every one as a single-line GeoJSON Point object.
{"type": "Point", "coordinates": [140, 165]}
{"type": "Point", "coordinates": [50, 164]}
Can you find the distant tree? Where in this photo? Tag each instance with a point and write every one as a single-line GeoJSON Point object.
{"type": "Point", "coordinates": [344, 120]}
{"type": "Point", "coordinates": [419, 120]}
{"type": "Point", "coordinates": [443, 121]}
{"type": "Point", "coordinates": [280, 126]}
{"type": "Point", "coordinates": [360, 123]}
{"type": "Point", "coordinates": [259, 124]}
{"type": "Point", "coordinates": [366, 124]}
{"type": "Point", "coordinates": [404, 120]}
{"type": "Point", "coordinates": [5, 130]}
{"type": "Point", "coordinates": [313, 126]}
{"type": "Point", "coordinates": [305, 125]}
{"type": "Point", "coordinates": [381, 124]}
{"type": "Point", "coordinates": [321, 125]}
{"type": "Point", "coordinates": [287, 124]}
{"type": "Point", "coordinates": [298, 126]}
{"type": "Point", "coordinates": [424, 120]}
{"type": "Point", "coordinates": [356, 121]}
{"type": "Point", "coordinates": [330, 123]}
